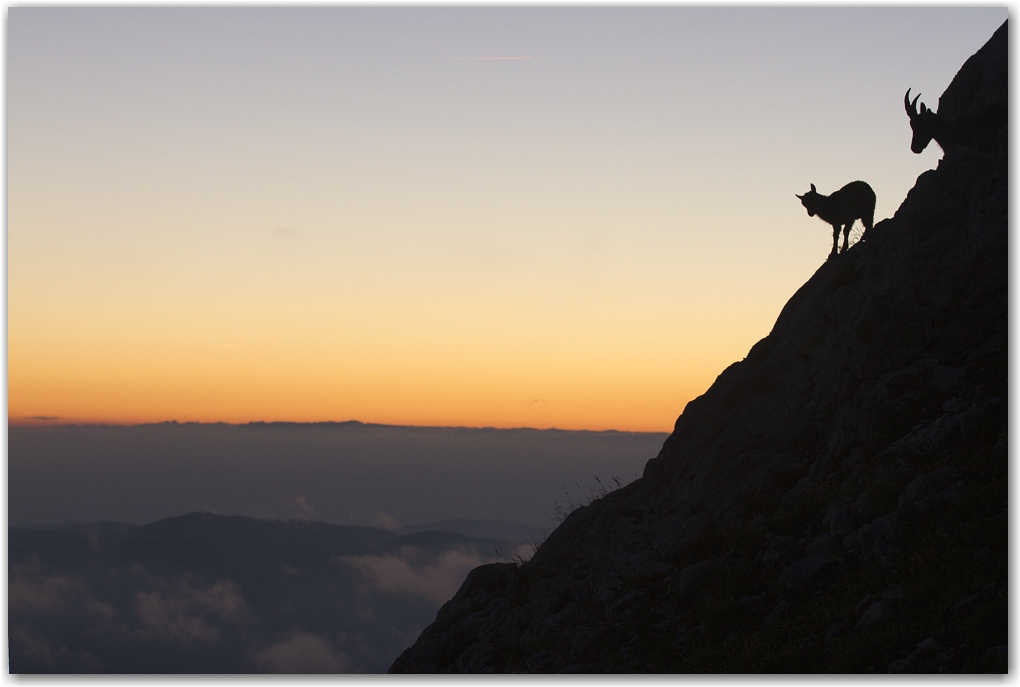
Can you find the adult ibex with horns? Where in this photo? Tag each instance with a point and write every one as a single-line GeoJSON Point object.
{"type": "Point", "coordinates": [976, 129]}
{"type": "Point", "coordinates": [854, 201]}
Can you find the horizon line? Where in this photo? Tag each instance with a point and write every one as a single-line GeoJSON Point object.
{"type": "Point", "coordinates": [50, 422]}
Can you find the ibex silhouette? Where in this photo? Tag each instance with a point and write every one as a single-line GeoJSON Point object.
{"type": "Point", "coordinates": [854, 201]}
{"type": "Point", "coordinates": [977, 129]}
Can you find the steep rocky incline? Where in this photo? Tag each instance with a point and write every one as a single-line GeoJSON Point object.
{"type": "Point", "coordinates": [834, 502]}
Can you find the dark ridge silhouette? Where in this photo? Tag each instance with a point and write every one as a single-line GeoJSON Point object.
{"type": "Point", "coordinates": [836, 502]}
{"type": "Point", "coordinates": [974, 110]}
{"type": "Point", "coordinates": [854, 201]}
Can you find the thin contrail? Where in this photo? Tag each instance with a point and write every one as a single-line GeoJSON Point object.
{"type": "Point", "coordinates": [493, 57]}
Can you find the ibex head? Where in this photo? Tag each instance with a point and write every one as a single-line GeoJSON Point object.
{"type": "Point", "coordinates": [920, 123]}
{"type": "Point", "coordinates": [809, 201]}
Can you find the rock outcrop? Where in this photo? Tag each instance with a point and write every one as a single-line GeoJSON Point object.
{"type": "Point", "coordinates": [836, 501]}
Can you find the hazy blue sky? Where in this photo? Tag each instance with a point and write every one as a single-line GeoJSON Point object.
{"type": "Point", "coordinates": [340, 213]}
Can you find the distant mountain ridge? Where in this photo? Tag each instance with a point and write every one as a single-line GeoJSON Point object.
{"type": "Point", "coordinates": [485, 529]}
{"type": "Point", "coordinates": [340, 473]}
{"type": "Point", "coordinates": [835, 502]}
{"type": "Point", "coordinates": [496, 530]}
{"type": "Point", "coordinates": [343, 424]}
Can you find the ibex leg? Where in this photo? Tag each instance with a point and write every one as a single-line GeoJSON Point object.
{"type": "Point", "coordinates": [835, 238]}
{"type": "Point", "coordinates": [846, 235]}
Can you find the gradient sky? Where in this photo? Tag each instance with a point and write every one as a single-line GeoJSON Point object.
{"type": "Point", "coordinates": [345, 213]}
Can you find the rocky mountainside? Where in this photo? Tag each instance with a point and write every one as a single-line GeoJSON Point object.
{"type": "Point", "coordinates": [835, 502]}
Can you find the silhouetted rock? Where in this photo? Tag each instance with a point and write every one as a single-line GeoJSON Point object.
{"type": "Point", "coordinates": [974, 109]}
{"type": "Point", "coordinates": [834, 502]}
{"type": "Point", "coordinates": [982, 80]}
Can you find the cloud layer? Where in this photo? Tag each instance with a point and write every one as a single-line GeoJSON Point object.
{"type": "Point", "coordinates": [212, 594]}
{"type": "Point", "coordinates": [436, 581]}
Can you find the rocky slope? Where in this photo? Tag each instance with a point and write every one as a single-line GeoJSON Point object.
{"type": "Point", "coordinates": [834, 502]}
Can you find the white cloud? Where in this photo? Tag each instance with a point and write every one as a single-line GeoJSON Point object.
{"type": "Point", "coordinates": [46, 595]}
{"type": "Point", "coordinates": [303, 504]}
{"type": "Point", "coordinates": [182, 615]}
{"type": "Point", "coordinates": [437, 581]}
{"type": "Point", "coordinates": [303, 653]}
{"type": "Point", "coordinates": [385, 521]}
{"type": "Point", "coordinates": [167, 621]}
{"type": "Point", "coordinates": [30, 647]}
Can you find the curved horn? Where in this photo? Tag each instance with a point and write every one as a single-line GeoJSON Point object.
{"type": "Point", "coordinates": [910, 107]}
{"type": "Point", "coordinates": [813, 189]}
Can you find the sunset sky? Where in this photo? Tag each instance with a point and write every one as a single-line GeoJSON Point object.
{"type": "Point", "coordinates": [540, 217]}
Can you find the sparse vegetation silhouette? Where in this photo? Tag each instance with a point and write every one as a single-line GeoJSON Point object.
{"type": "Point", "coordinates": [584, 496]}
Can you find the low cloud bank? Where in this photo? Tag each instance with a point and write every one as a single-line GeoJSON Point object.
{"type": "Point", "coordinates": [178, 615]}
{"type": "Point", "coordinates": [213, 594]}
{"type": "Point", "coordinates": [437, 581]}
{"type": "Point", "coordinates": [303, 653]}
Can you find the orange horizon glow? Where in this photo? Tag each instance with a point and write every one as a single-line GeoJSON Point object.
{"type": "Point", "coordinates": [586, 380]}
{"type": "Point", "coordinates": [131, 402]}
{"type": "Point", "coordinates": [609, 382]}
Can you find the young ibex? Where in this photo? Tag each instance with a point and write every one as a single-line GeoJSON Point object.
{"type": "Point", "coordinates": [977, 129]}
{"type": "Point", "coordinates": [854, 201]}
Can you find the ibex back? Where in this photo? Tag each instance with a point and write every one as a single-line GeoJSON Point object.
{"type": "Point", "coordinates": [854, 201]}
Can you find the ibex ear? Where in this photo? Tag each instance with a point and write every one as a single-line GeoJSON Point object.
{"type": "Point", "coordinates": [813, 189]}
